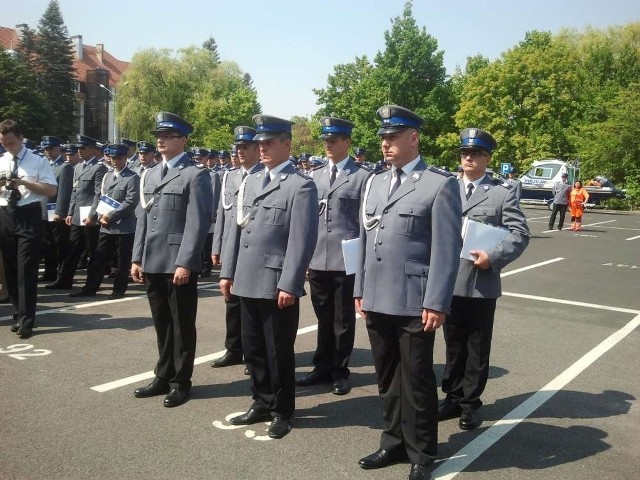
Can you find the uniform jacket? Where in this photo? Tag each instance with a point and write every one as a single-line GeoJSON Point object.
{"type": "Point", "coordinates": [410, 259]}
{"type": "Point", "coordinates": [339, 213]}
{"type": "Point", "coordinates": [87, 180]}
{"type": "Point", "coordinates": [517, 186]}
{"type": "Point", "coordinates": [138, 168]}
{"type": "Point", "coordinates": [227, 206]}
{"type": "Point", "coordinates": [561, 192]}
{"type": "Point", "coordinates": [495, 203]}
{"type": "Point", "coordinates": [171, 231]}
{"type": "Point", "coordinates": [215, 187]}
{"type": "Point", "coordinates": [126, 190]}
{"type": "Point", "coordinates": [64, 176]}
{"type": "Point", "coordinates": [272, 251]}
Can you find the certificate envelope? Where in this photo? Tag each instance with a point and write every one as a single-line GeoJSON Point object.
{"type": "Point", "coordinates": [51, 211]}
{"type": "Point", "coordinates": [351, 253]}
{"type": "Point", "coordinates": [107, 205]}
{"type": "Point", "coordinates": [480, 236]}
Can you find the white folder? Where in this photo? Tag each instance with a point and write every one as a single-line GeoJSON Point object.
{"type": "Point", "coordinates": [480, 236]}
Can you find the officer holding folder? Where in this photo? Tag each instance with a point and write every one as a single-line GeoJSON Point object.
{"type": "Point", "coordinates": [469, 326]}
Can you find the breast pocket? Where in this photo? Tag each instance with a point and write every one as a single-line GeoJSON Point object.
{"type": "Point", "coordinates": [274, 210]}
{"type": "Point", "coordinates": [411, 219]}
{"type": "Point", "coordinates": [174, 197]}
{"type": "Point", "coordinates": [348, 201]}
{"type": "Point", "coordinates": [117, 194]}
{"type": "Point", "coordinates": [483, 213]}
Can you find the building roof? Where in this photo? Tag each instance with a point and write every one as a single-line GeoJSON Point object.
{"type": "Point", "coordinates": [9, 39]}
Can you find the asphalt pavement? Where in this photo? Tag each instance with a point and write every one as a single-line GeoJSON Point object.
{"type": "Point", "coordinates": [561, 402]}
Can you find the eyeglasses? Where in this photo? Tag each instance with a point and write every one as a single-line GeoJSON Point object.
{"type": "Point", "coordinates": [473, 154]}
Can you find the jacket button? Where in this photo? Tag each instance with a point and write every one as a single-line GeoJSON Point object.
{"type": "Point", "coordinates": [385, 211]}
{"type": "Point", "coordinates": [379, 242]}
{"type": "Point", "coordinates": [379, 259]}
{"type": "Point", "coordinates": [329, 231]}
{"type": "Point", "coordinates": [248, 232]}
{"type": "Point", "coordinates": [246, 245]}
{"type": "Point", "coordinates": [155, 217]}
{"type": "Point", "coordinates": [381, 227]}
{"type": "Point", "coordinates": [411, 210]}
{"type": "Point", "coordinates": [153, 229]}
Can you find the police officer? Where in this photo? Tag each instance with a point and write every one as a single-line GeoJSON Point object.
{"type": "Point", "coordinates": [403, 288]}
{"type": "Point", "coordinates": [561, 193]}
{"type": "Point", "coordinates": [56, 231]}
{"type": "Point", "coordinates": [26, 181]}
{"type": "Point", "coordinates": [201, 157]}
{"type": "Point", "coordinates": [264, 263]}
{"type": "Point", "coordinates": [249, 159]}
{"type": "Point", "coordinates": [132, 155]}
{"type": "Point", "coordinates": [146, 157]}
{"type": "Point", "coordinates": [469, 326]}
{"type": "Point", "coordinates": [361, 155]}
{"type": "Point", "coordinates": [339, 186]}
{"type": "Point", "coordinates": [514, 182]}
{"type": "Point", "coordinates": [120, 196]}
{"type": "Point", "coordinates": [177, 201]}
{"type": "Point", "coordinates": [83, 236]}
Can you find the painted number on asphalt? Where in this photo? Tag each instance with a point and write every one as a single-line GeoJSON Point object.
{"type": "Point", "coordinates": [12, 351]}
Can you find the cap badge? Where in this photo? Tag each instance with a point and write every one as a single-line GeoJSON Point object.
{"type": "Point", "coordinates": [386, 112]}
{"type": "Point", "coordinates": [473, 133]}
{"type": "Point", "coordinates": [327, 122]}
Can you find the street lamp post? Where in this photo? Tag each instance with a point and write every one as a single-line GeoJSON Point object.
{"type": "Point", "coordinates": [114, 98]}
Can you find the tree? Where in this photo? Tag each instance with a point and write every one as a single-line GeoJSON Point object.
{"type": "Point", "coordinates": [54, 65]}
{"type": "Point", "coordinates": [211, 45]}
{"type": "Point", "coordinates": [21, 99]}
{"type": "Point", "coordinates": [214, 97]}
{"type": "Point", "coordinates": [306, 136]}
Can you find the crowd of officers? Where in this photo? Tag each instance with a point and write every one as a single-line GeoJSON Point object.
{"type": "Point", "coordinates": [165, 216]}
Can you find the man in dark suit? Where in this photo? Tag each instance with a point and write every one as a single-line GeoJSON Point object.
{"type": "Point", "coordinates": [56, 231]}
{"type": "Point", "coordinates": [339, 184]}
{"type": "Point", "coordinates": [249, 158]}
{"type": "Point", "coordinates": [117, 218]}
{"type": "Point", "coordinates": [403, 288]}
{"type": "Point", "coordinates": [176, 213]}
{"type": "Point", "coordinates": [264, 263]}
{"type": "Point", "coordinates": [469, 327]}
{"type": "Point", "coordinates": [82, 216]}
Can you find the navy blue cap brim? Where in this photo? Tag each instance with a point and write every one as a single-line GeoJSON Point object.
{"type": "Point", "coordinates": [262, 136]}
{"type": "Point", "coordinates": [392, 129]}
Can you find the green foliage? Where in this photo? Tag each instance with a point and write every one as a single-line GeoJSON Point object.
{"type": "Point", "coordinates": [306, 136]}
{"type": "Point", "coordinates": [409, 72]}
{"type": "Point", "coordinates": [215, 97]}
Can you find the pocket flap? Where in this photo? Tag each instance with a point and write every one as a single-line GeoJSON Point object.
{"type": "Point", "coordinates": [273, 260]}
{"type": "Point", "coordinates": [414, 267]}
{"type": "Point", "coordinates": [349, 194]}
{"type": "Point", "coordinates": [275, 202]}
{"type": "Point", "coordinates": [484, 211]}
{"type": "Point", "coordinates": [413, 210]}
{"type": "Point", "coordinates": [174, 238]}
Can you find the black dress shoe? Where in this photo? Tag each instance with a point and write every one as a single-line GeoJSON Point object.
{"type": "Point", "coordinates": [448, 410]}
{"type": "Point", "coordinates": [419, 472]}
{"type": "Point", "coordinates": [228, 359]}
{"type": "Point", "coordinates": [279, 427]}
{"type": "Point", "coordinates": [157, 387]}
{"type": "Point", "coordinates": [246, 371]}
{"type": "Point", "coordinates": [250, 417]}
{"type": "Point", "coordinates": [47, 278]}
{"type": "Point", "coordinates": [83, 292]}
{"type": "Point", "coordinates": [469, 419]}
{"type": "Point", "coordinates": [57, 285]}
{"type": "Point", "coordinates": [382, 458]}
{"type": "Point", "coordinates": [341, 386]}
{"type": "Point", "coordinates": [25, 332]}
{"type": "Point", "coordinates": [176, 397]}
{"type": "Point", "coordinates": [205, 273]}
{"type": "Point", "coordinates": [15, 327]}
{"type": "Point", "coordinates": [312, 378]}
{"type": "Point", "coordinates": [115, 296]}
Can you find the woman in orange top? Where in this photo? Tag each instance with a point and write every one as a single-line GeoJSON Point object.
{"type": "Point", "coordinates": [577, 198]}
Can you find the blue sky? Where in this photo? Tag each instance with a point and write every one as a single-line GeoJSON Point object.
{"type": "Point", "coordinates": [290, 47]}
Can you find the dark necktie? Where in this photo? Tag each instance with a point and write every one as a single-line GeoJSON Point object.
{"type": "Point", "coordinates": [267, 179]}
{"type": "Point", "coordinates": [470, 188]}
{"type": "Point", "coordinates": [165, 169]}
{"type": "Point", "coordinates": [398, 182]}
{"type": "Point", "coordinates": [13, 195]}
{"type": "Point", "coordinates": [244, 175]}
{"type": "Point", "coordinates": [332, 176]}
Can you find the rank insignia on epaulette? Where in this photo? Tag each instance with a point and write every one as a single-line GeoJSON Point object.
{"type": "Point", "coordinates": [415, 176]}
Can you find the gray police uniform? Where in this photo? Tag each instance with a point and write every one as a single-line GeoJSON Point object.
{"type": "Point", "coordinates": [56, 237]}
{"type": "Point", "coordinates": [468, 329]}
{"type": "Point", "coordinates": [170, 233]}
{"type": "Point", "coordinates": [86, 192]}
{"type": "Point", "coordinates": [331, 288]}
{"type": "Point", "coordinates": [207, 264]}
{"type": "Point", "coordinates": [409, 262]}
{"type": "Point", "coordinates": [271, 252]}
{"type": "Point", "coordinates": [561, 192]}
{"type": "Point", "coordinates": [118, 236]}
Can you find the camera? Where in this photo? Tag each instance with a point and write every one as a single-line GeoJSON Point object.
{"type": "Point", "coordinates": [12, 194]}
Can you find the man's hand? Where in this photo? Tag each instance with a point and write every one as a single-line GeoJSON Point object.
{"type": "Point", "coordinates": [215, 259]}
{"type": "Point", "coordinates": [136, 273]}
{"type": "Point", "coordinates": [87, 221]}
{"type": "Point", "coordinates": [105, 220]}
{"type": "Point", "coordinates": [482, 262]}
{"type": "Point", "coordinates": [58, 218]}
{"type": "Point", "coordinates": [285, 299]}
{"type": "Point", "coordinates": [362, 313]}
{"type": "Point", "coordinates": [181, 277]}
{"type": "Point", "coordinates": [225, 288]}
{"type": "Point", "coordinates": [68, 220]}
{"type": "Point", "coordinates": [432, 320]}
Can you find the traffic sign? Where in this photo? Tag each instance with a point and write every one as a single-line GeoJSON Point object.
{"type": "Point", "coordinates": [504, 168]}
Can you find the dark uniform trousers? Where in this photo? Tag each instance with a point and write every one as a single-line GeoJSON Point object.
{"type": "Point", "coordinates": [554, 211]}
{"type": "Point", "coordinates": [54, 248]}
{"type": "Point", "coordinates": [467, 331]}
{"type": "Point", "coordinates": [109, 244]}
{"type": "Point", "coordinates": [332, 299]}
{"type": "Point", "coordinates": [81, 239]}
{"type": "Point", "coordinates": [174, 309]}
{"type": "Point", "coordinates": [207, 263]}
{"type": "Point", "coordinates": [268, 336]}
{"type": "Point", "coordinates": [21, 234]}
{"type": "Point", "coordinates": [403, 358]}
{"type": "Point", "coordinates": [233, 338]}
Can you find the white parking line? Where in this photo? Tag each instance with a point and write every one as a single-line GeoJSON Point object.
{"type": "Point", "coordinates": [535, 265]}
{"type": "Point", "coordinates": [463, 458]}
{"type": "Point", "coordinates": [584, 226]}
{"type": "Point", "coordinates": [633, 238]}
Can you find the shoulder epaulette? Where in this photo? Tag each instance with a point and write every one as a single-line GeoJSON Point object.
{"type": "Point", "coordinates": [440, 171]}
{"type": "Point", "coordinates": [303, 174]}
{"type": "Point", "coordinates": [497, 181]}
{"type": "Point", "coordinates": [365, 167]}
